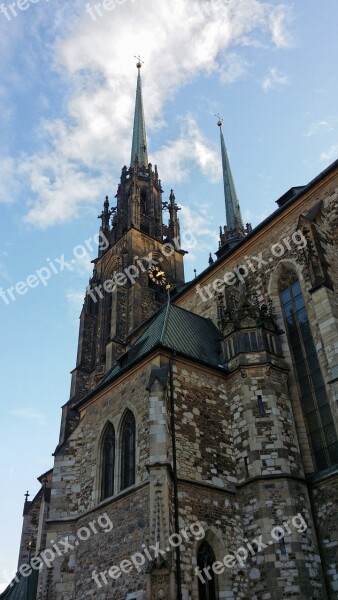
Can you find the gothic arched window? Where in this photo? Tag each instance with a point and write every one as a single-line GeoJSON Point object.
{"type": "Point", "coordinates": [108, 460]}
{"type": "Point", "coordinates": [312, 391]}
{"type": "Point", "coordinates": [143, 202]}
{"type": "Point", "coordinates": [128, 435]}
{"type": "Point", "coordinates": [205, 559]}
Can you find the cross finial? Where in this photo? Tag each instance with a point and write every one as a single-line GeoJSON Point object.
{"type": "Point", "coordinates": [139, 61]}
{"type": "Point", "coordinates": [219, 120]}
{"type": "Point", "coordinates": [26, 495]}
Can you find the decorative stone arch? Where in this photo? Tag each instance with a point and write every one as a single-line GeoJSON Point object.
{"type": "Point", "coordinates": [110, 266]}
{"type": "Point", "coordinates": [215, 538]}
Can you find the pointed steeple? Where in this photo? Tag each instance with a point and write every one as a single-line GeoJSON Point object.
{"type": "Point", "coordinates": [139, 146]}
{"type": "Point", "coordinates": [234, 231]}
{"type": "Point", "coordinates": [232, 209]}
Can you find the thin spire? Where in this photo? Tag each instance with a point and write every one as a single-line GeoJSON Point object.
{"type": "Point", "coordinates": [139, 146]}
{"type": "Point", "coordinates": [232, 209]}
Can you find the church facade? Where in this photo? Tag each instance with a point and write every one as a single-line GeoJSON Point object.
{"type": "Point", "coordinates": [198, 453]}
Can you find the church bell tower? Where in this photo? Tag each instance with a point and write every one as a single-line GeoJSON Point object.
{"type": "Point", "coordinates": [139, 261]}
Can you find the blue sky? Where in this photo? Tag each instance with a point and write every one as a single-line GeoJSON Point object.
{"type": "Point", "coordinates": [67, 90]}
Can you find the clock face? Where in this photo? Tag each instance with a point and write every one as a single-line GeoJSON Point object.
{"type": "Point", "coordinates": [157, 275]}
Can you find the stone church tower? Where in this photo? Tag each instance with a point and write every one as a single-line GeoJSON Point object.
{"type": "Point", "coordinates": [198, 452]}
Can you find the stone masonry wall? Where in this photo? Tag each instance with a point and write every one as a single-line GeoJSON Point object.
{"type": "Point", "coordinates": [203, 431]}
{"type": "Point", "coordinates": [324, 501]}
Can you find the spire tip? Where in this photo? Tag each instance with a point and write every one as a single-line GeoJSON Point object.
{"type": "Point", "coordinates": [139, 62]}
{"type": "Point", "coordinates": [220, 120]}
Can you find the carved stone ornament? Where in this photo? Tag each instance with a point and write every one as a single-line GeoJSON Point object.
{"type": "Point", "coordinates": [160, 585]}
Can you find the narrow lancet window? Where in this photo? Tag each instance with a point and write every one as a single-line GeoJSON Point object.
{"type": "Point", "coordinates": [108, 460]}
{"type": "Point", "coordinates": [205, 559]}
{"type": "Point", "coordinates": [128, 435]}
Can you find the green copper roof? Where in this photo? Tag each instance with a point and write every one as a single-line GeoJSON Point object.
{"type": "Point", "coordinates": [176, 329]}
{"type": "Point", "coordinates": [139, 144]}
{"type": "Point", "coordinates": [233, 213]}
{"type": "Point", "coordinates": [25, 589]}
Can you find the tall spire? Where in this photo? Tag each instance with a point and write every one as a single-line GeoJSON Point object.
{"type": "Point", "coordinates": [139, 146]}
{"type": "Point", "coordinates": [232, 209]}
{"type": "Point", "coordinates": [234, 230]}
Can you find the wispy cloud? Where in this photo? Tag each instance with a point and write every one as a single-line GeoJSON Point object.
{"type": "Point", "coordinates": [330, 154]}
{"type": "Point", "coordinates": [9, 184]}
{"type": "Point", "coordinates": [4, 274]}
{"type": "Point", "coordinates": [279, 22]}
{"type": "Point", "coordinates": [178, 157]}
{"type": "Point", "coordinates": [28, 414]}
{"type": "Point", "coordinates": [321, 125]}
{"type": "Point", "coordinates": [75, 301]}
{"type": "Point", "coordinates": [232, 68]}
{"type": "Point", "coordinates": [80, 151]}
{"type": "Point", "coordinates": [274, 79]}
{"type": "Point", "coordinates": [198, 222]}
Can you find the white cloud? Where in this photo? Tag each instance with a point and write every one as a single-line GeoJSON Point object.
{"type": "Point", "coordinates": [4, 274]}
{"type": "Point", "coordinates": [322, 125]}
{"type": "Point", "coordinates": [331, 154]}
{"type": "Point", "coordinates": [29, 414]}
{"type": "Point", "coordinates": [199, 231]}
{"type": "Point", "coordinates": [9, 184]}
{"type": "Point", "coordinates": [233, 67]}
{"type": "Point", "coordinates": [180, 41]}
{"type": "Point", "coordinates": [83, 262]}
{"type": "Point", "coordinates": [278, 22]}
{"type": "Point", "coordinates": [191, 148]}
{"type": "Point", "coordinates": [75, 300]}
{"type": "Point", "coordinates": [274, 79]}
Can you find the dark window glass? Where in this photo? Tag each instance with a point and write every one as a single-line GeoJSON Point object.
{"type": "Point", "coordinates": [313, 396]}
{"type": "Point", "coordinates": [269, 342]}
{"type": "Point", "coordinates": [249, 341]}
{"type": "Point", "coordinates": [333, 453]}
{"type": "Point", "coordinates": [261, 406]}
{"type": "Point", "coordinates": [108, 460]}
{"type": "Point", "coordinates": [206, 558]}
{"type": "Point", "coordinates": [253, 340]}
{"type": "Point", "coordinates": [246, 342]}
{"type": "Point", "coordinates": [143, 202]}
{"type": "Point", "coordinates": [128, 435]}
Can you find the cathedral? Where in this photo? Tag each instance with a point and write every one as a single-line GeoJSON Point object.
{"type": "Point", "coordinates": [198, 451]}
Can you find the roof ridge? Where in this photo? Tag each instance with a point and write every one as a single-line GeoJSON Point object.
{"type": "Point", "coordinates": [166, 316]}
